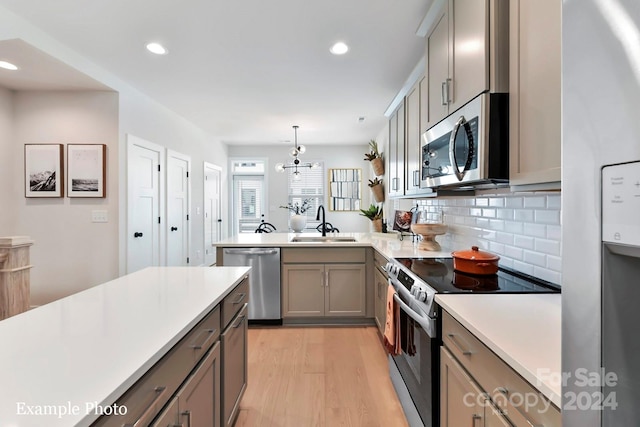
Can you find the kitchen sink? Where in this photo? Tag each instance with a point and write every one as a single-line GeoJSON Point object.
{"type": "Point", "coordinates": [321, 239]}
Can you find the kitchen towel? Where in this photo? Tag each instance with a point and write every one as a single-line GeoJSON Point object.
{"type": "Point", "coordinates": [392, 324]}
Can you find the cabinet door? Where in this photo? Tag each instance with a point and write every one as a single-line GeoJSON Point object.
{"type": "Point", "coordinates": [412, 146]}
{"type": "Point", "coordinates": [345, 290]}
{"type": "Point", "coordinates": [303, 288]}
{"type": "Point", "coordinates": [469, 36]}
{"type": "Point", "coordinates": [396, 152]}
{"type": "Point", "coordinates": [234, 367]}
{"type": "Point", "coordinates": [461, 401]}
{"type": "Point", "coordinates": [380, 300]}
{"type": "Point", "coordinates": [534, 91]}
{"type": "Point", "coordinates": [169, 416]}
{"type": "Point", "coordinates": [437, 71]}
{"type": "Point", "coordinates": [199, 397]}
{"type": "Point", "coordinates": [493, 417]}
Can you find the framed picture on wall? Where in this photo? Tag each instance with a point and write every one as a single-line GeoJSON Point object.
{"type": "Point", "coordinates": [86, 171]}
{"type": "Point", "coordinates": [43, 170]}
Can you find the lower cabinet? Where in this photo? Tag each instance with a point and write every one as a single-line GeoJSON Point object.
{"type": "Point", "coordinates": [197, 402]}
{"type": "Point", "coordinates": [323, 290]}
{"type": "Point", "coordinates": [380, 301]}
{"type": "Point", "coordinates": [234, 362]}
{"type": "Point", "coordinates": [479, 389]}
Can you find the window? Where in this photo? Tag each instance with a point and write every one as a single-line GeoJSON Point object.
{"type": "Point", "coordinates": [310, 186]}
{"type": "Point", "coordinates": [248, 195]}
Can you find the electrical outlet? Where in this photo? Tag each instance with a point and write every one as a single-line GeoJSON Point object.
{"type": "Point", "coordinates": [99, 216]}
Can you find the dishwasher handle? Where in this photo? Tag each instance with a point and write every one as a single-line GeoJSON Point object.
{"type": "Point", "coordinates": [250, 252]}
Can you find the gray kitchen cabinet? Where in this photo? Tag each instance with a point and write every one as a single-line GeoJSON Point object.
{"type": "Point", "coordinates": [324, 282]}
{"type": "Point", "coordinates": [412, 141]}
{"type": "Point", "coordinates": [511, 401]}
{"type": "Point", "coordinates": [461, 400]}
{"type": "Point", "coordinates": [381, 285]}
{"type": "Point", "coordinates": [323, 290]}
{"type": "Point", "coordinates": [463, 59]}
{"type": "Point", "coordinates": [396, 169]}
{"type": "Point", "coordinates": [169, 416]}
{"type": "Point", "coordinates": [199, 397]}
{"type": "Point", "coordinates": [234, 366]}
{"type": "Point", "coordinates": [534, 93]}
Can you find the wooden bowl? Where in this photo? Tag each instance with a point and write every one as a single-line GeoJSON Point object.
{"type": "Point", "coordinates": [429, 231]}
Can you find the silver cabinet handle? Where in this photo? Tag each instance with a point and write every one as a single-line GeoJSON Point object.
{"type": "Point", "coordinates": [474, 418]}
{"type": "Point", "coordinates": [448, 92]}
{"type": "Point", "coordinates": [442, 93]}
{"type": "Point", "coordinates": [239, 321]}
{"type": "Point", "coordinates": [505, 393]}
{"type": "Point", "coordinates": [394, 184]}
{"type": "Point", "coordinates": [209, 332]}
{"type": "Point", "coordinates": [188, 415]}
{"type": "Point", "coordinates": [240, 298]}
{"type": "Point", "coordinates": [416, 178]}
{"type": "Point", "coordinates": [148, 412]}
{"type": "Point", "coordinates": [464, 352]}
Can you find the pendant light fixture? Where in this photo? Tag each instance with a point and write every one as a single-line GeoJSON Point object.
{"type": "Point", "coordinates": [295, 153]}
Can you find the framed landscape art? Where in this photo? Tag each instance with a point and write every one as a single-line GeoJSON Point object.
{"type": "Point", "coordinates": [43, 170]}
{"type": "Point", "coordinates": [86, 170]}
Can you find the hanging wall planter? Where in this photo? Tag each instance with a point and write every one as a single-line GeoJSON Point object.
{"type": "Point", "coordinates": [375, 157]}
{"type": "Point", "coordinates": [378, 189]}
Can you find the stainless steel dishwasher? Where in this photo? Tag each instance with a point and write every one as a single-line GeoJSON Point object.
{"type": "Point", "coordinates": [264, 280]}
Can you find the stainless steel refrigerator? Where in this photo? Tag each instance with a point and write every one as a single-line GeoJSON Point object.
{"type": "Point", "coordinates": [600, 126]}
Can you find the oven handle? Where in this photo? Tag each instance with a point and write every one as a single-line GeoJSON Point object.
{"type": "Point", "coordinates": [426, 324]}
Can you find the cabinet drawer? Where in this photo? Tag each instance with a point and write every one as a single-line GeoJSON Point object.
{"type": "Point", "coordinates": [151, 392]}
{"type": "Point", "coordinates": [380, 261]}
{"type": "Point", "coordinates": [234, 367]}
{"type": "Point", "coordinates": [504, 385]}
{"type": "Point", "coordinates": [234, 302]}
{"type": "Point", "coordinates": [324, 255]}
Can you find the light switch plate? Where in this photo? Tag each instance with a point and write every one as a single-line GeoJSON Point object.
{"type": "Point", "coordinates": [99, 216]}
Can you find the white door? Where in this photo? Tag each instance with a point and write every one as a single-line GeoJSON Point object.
{"type": "Point", "coordinates": [178, 202]}
{"type": "Point", "coordinates": [212, 211]}
{"type": "Point", "coordinates": [145, 202]}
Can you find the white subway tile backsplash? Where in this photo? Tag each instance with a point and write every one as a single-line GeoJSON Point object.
{"type": "Point", "coordinates": [547, 217]}
{"type": "Point", "coordinates": [524, 242]}
{"type": "Point", "coordinates": [535, 202]}
{"type": "Point", "coordinates": [535, 258]}
{"type": "Point", "coordinates": [550, 247]}
{"type": "Point", "coordinates": [524, 229]}
{"type": "Point", "coordinates": [523, 215]}
{"type": "Point", "coordinates": [535, 230]}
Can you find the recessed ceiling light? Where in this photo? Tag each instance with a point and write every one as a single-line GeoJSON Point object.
{"type": "Point", "coordinates": [339, 48]}
{"type": "Point", "coordinates": [8, 66]}
{"type": "Point", "coordinates": [157, 48]}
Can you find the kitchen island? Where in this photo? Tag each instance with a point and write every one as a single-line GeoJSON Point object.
{"type": "Point", "coordinates": [76, 356]}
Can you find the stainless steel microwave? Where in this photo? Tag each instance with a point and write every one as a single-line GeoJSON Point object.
{"type": "Point", "coordinates": [470, 147]}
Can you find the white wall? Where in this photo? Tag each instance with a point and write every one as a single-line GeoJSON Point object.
{"type": "Point", "coordinates": [70, 252]}
{"type": "Point", "coordinates": [7, 162]}
{"type": "Point", "coordinates": [333, 157]}
{"type": "Point", "coordinates": [136, 114]}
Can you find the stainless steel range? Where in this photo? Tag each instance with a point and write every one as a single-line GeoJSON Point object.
{"type": "Point", "coordinates": [415, 372]}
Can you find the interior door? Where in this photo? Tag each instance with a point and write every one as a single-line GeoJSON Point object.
{"type": "Point", "coordinates": [212, 211]}
{"type": "Point", "coordinates": [178, 202]}
{"type": "Point", "coordinates": [144, 226]}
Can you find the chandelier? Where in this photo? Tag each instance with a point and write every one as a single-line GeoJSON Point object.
{"type": "Point", "coordinates": [295, 153]}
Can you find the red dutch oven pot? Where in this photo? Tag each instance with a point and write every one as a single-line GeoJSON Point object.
{"type": "Point", "coordinates": [475, 261]}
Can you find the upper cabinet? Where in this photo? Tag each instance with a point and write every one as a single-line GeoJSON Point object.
{"type": "Point", "coordinates": [396, 152]}
{"type": "Point", "coordinates": [467, 51]}
{"type": "Point", "coordinates": [413, 133]}
{"type": "Point", "coordinates": [534, 92]}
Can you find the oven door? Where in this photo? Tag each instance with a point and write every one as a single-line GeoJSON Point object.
{"type": "Point", "coordinates": [418, 364]}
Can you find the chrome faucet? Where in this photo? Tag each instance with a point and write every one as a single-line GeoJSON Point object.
{"type": "Point", "coordinates": [324, 220]}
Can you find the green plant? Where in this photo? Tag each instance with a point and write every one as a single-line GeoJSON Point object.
{"type": "Point", "coordinates": [373, 212]}
{"type": "Point", "coordinates": [298, 209]}
{"type": "Point", "coordinates": [374, 182]}
{"type": "Point", "coordinates": [374, 153]}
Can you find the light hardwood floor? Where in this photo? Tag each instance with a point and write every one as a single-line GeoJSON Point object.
{"type": "Point", "coordinates": [318, 376]}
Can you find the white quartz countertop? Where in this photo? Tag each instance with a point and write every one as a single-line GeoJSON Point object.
{"type": "Point", "coordinates": [387, 244]}
{"type": "Point", "coordinates": [92, 346]}
{"type": "Point", "coordinates": [524, 330]}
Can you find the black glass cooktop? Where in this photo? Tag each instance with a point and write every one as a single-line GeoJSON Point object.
{"type": "Point", "coordinates": [440, 275]}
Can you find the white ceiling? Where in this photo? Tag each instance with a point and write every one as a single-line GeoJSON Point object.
{"type": "Point", "coordinates": [247, 70]}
